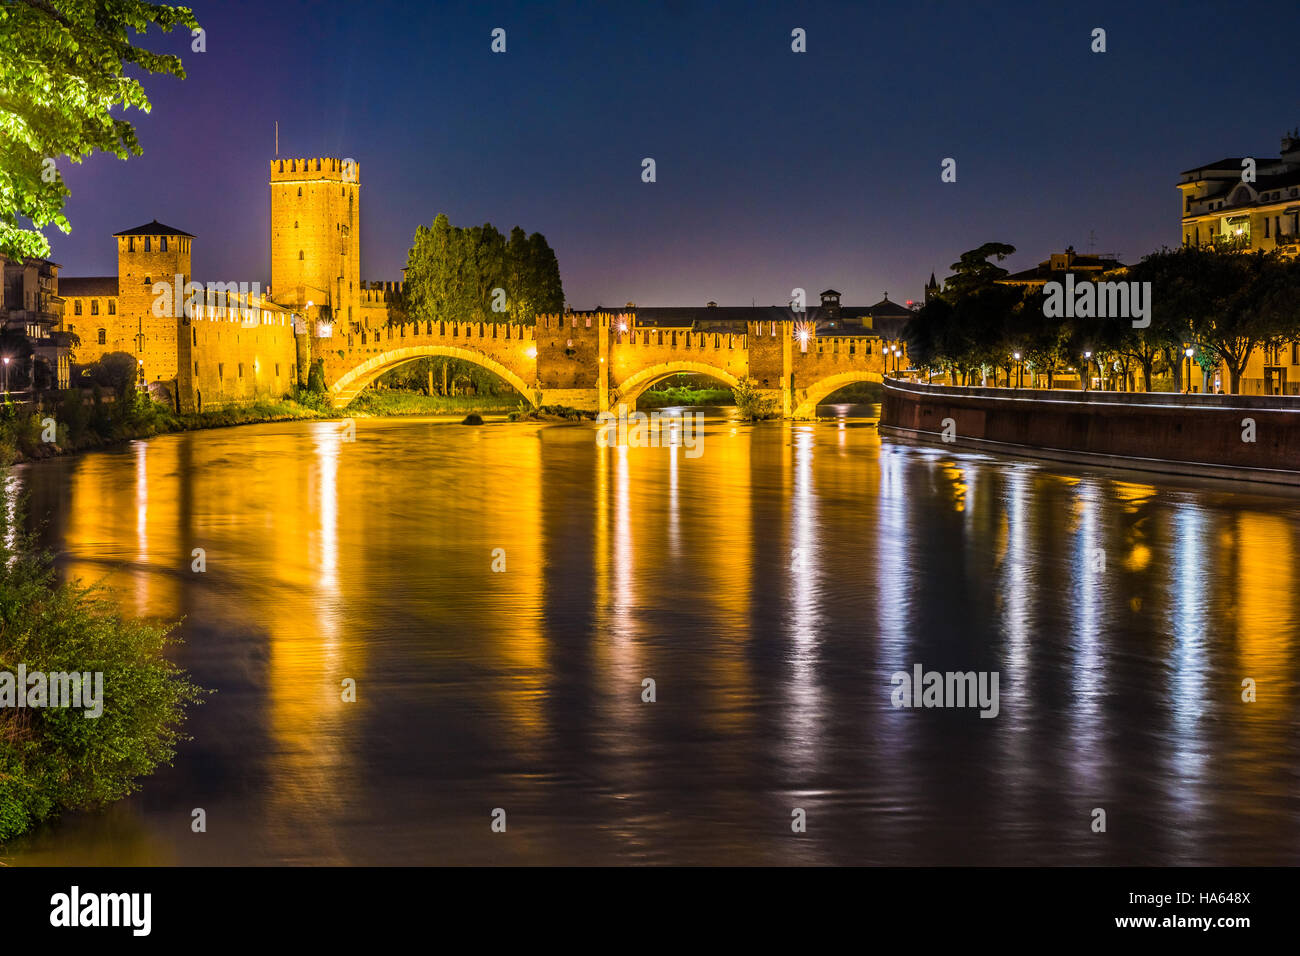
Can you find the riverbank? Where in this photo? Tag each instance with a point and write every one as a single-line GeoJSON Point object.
{"type": "Point", "coordinates": [27, 435]}
{"type": "Point", "coordinates": [1236, 437]}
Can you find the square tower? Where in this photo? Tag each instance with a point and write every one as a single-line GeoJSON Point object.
{"type": "Point", "coordinates": [146, 256]}
{"type": "Point", "coordinates": [316, 236]}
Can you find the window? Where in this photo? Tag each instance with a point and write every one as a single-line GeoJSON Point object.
{"type": "Point", "coordinates": [299, 192]}
{"type": "Point", "coordinates": [1295, 353]}
{"type": "Point", "coordinates": [94, 307]}
{"type": "Point", "coordinates": [300, 256]}
{"type": "Point", "coordinates": [241, 369]}
{"type": "Point", "coordinates": [277, 369]}
{"type": "Point", "coordinates": [130, 244]}
{"type": "Point", "coordinates": [103, 336]}
{"type": "Point", "coordinates": [295, 224]}
{"type": "Point", "coordinates": [146, 243]}
{"type": "Point", "coordinates": [221, 370]}
{"type": "Point", "coordinates": [163, 247]}
{"type": "Point", "coordinates": [76, 307]}
{"type": "Point", "coordinates": [148, 281]}
{"type": "Point", "coordinates": [196, 368]}
{"type": "Point", "coordinates": [112, 306]}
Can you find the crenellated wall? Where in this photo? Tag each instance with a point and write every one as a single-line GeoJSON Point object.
{"type": "Point", "coordinates": [227, 362]}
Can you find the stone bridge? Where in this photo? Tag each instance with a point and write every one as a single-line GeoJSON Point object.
{"type": "Point", "coordinates": [597, 360]}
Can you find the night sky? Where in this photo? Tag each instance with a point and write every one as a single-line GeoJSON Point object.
{"type": "Point", "coordinates": [775, 169]}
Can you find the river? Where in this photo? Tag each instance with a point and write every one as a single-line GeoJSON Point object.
{"type": "Point", "coordinates": [769, 587]}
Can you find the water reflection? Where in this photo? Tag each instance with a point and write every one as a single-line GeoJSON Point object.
{"type": "Point", "coordinates": [501, 595]}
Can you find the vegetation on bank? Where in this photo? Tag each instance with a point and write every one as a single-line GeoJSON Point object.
{"type": "Point", "coordinates": [375, 403]}
{"type": "Point", "coordinates": [56, 759]}
{"type": "Point", "coordinates": [25, 433]}
{"type": "Point", "coordinates": [1217, 302]}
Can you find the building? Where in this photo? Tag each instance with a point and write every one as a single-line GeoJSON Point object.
{"type": "Point", "coordinates": [31, 317]}
{"type": "Point", "coordinates": [884, 320]}
{"type": "Point", "coordinates": [1055, 266]}
{"type": "Point", "coordinates": [1222, 206]}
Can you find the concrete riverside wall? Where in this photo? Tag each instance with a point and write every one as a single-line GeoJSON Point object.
{"type": "Point", "coordinates": [1187, 434]}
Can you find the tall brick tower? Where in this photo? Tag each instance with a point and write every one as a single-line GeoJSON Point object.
{"type": "Point", "coordinates": [316, 236]}
{"type": "Point", "coordinates": [147, 255]}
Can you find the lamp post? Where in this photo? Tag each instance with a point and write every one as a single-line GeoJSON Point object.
{"type": "Point", "coordinates": [6, 388]}
{"type": "Point", "coordinates": [1189, 352]}
{"type": "Point", "coordinates": [1019, 379]}
{"type": "Point", "coordinates": [1087, 370]}
{"type": "Point", "coordinates": [896, 354]}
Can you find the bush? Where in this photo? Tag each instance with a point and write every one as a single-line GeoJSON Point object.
{"type": "Point", "coordinates": [54, 759]}
{"type": "Point", "coordinates": [750, 404]}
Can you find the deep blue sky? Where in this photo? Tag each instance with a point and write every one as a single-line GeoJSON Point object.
{"type": "Point", "coordinates": [775, 169]}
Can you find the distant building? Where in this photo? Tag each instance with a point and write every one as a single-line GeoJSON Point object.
{"type": "Point", "coordinates": [1219, 208]}
{"type": "Point", "coordinates": [1054, 268]}
{"type": "Point", "coordinates": [31, 313]}
{"type": "Point", "coordinates": [883, 320]}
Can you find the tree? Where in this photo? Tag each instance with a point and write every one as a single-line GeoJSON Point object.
{"type": "Point", "coordinates": [453, 274]}
{"type": "Point", "coordinates": [973, 270]}
{"type": "Point", "coordinates": [62, 71]}
{"type": "Point", "coordinates": [115, 370]}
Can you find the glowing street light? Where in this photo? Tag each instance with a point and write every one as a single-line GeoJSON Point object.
{"type": "Point", "coordinates": [6, 389]}
{"type": "Point", "coordinates": [1190, 353]}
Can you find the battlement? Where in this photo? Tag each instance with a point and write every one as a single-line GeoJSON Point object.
{"type": "Point", "coordinates": [330, 169]}
{"type": "Point", "coordinates": [377, 293]}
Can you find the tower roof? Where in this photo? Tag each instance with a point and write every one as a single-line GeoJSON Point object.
{"type": "Point", "coordinates": [154, 228]}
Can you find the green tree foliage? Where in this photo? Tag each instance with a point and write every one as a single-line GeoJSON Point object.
{"type": "Point", "coordinates": [54, 759]}
{"type": "Point", "coordinates": [452, 274]}
{"type": "Point", "coordinates": [973, 271]}
{"type": "Point", "coordinates": [116, 371]}
{"type": "Point", "coordinates": [62, 69]}
{"type": "Point", "coordinates": [1221, 303]}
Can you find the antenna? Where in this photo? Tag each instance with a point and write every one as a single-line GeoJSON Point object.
{"type": "Point", "coordinates": [277, 137]}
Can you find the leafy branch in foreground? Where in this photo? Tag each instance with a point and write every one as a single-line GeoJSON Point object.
{"type": "Point", "coordinates": [62, 71]}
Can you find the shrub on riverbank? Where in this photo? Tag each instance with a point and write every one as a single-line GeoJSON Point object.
{"type": "Point", "coordinates": [55, 759]}
{"type": "Point", "coordinates": [80, 427]}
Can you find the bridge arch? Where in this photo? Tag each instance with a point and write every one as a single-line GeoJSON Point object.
{"type": "Point", "coordinates": [631, 387]}
{"type": "Point", "coordinates": [351, 383]}
{"type": "Point", "coordinates": [807, 399]}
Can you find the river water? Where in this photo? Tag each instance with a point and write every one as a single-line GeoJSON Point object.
{"type": "Point", "coordinates": [769, 586]}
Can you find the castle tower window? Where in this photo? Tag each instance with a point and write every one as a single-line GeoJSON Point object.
{"type": "Point", "coordinates": [130, 244]}
{"type": "Point", "coordinates": [148, 281]}
{"type": "Point", "coordinates": [300, 256]}
{"type": "Point", "coordinates": [299, 192]}
{"type": "Point", "coordinates": [112, 306]}
{"type": "Point", "coordinates": [295, 224]}
{"type": "Point", "coordinates": [94, 307]}
{"type": "Point", "coordinates": [103, 336]}
{"type": "Point", "coordinates": [146, 243]}
{"type": "Point", "coordinates": [76, 307]}
{"type": "Point", "coordinates": [163, 240]}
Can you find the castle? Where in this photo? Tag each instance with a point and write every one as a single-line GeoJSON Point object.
{"type": "Point", "coordinates": [230, 346]}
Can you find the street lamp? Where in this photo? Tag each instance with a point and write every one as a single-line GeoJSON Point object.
{"type": "Point", "coordinates": [1087, 370]}
{"type": "Point", "coordinates": [896, 354]}
{"type": "Point", "coordinates": [1019, 380]}
{"type": "Point", "coordinates": [6, 375]}
{"type": "Point", "coordinates": [1189, 352]}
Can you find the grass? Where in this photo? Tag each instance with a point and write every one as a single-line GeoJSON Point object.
{"type": "Point", "coordinates": [374, 402]}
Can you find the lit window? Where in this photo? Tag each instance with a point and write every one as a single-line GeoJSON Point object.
{"type": "Point", "coordinates": [103, 336]}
